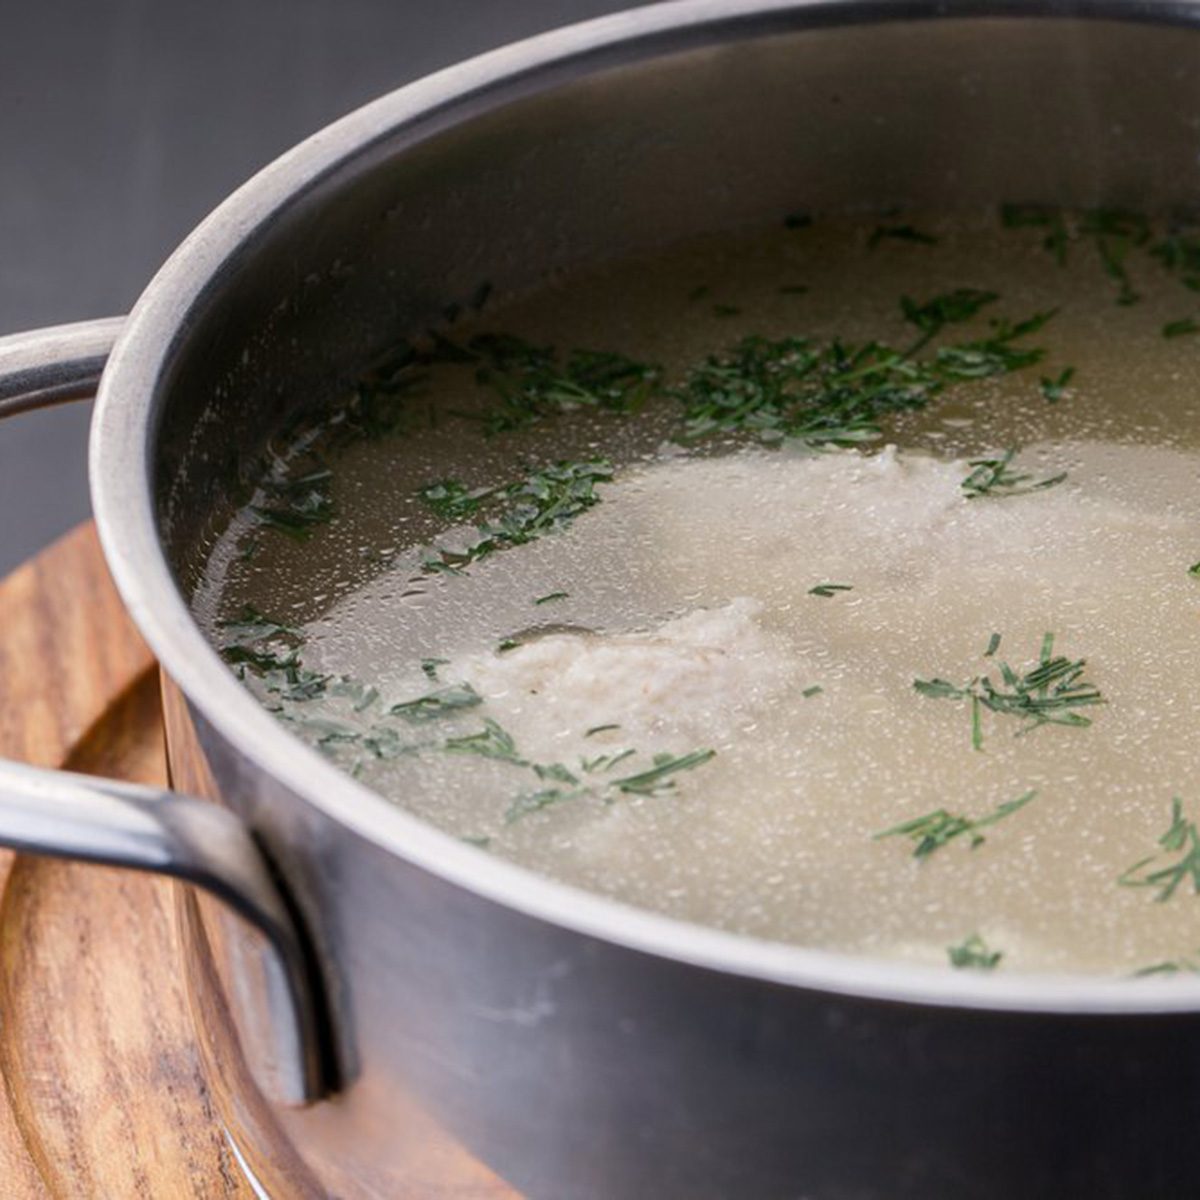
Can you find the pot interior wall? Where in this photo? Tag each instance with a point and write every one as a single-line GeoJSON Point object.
{"type": "Point", "coordinates": [530, 177]}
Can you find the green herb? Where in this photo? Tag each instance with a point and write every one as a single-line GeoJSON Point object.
{"type": "Point", "coordinates": [725, 310]}
{"type": "Point", "coordinates": [361, 695]}
{"type": "Point", "coordinates": [604, 762]}
{"type": "Point", "coordinates": [798, 219]}
{"type": "Point", "coordinates": [974, 952]}
{"type": "Point", "coordinates": [1116, 231]}
{"type": "Point", "coordinates": [552, 596]}
{"type": "Point", "coordinates": [901, 233]}
{"type": "Point", "coordinates": [938, 828]}
{"type": "Point", "coordinates": [250, 625]}
{"type": "Point", "coordinates": [430, 665]}
{"type": "Point", "coordinates": [996, 354]}
{"type": "Point", "coordinates": [1174, 329]}
{"type": "Point", "coordinates": [285, 677]}
{"type": "Point", "coordinates": [1054, 389]}
{"type": "Point", "coordinates": [600, 729]}
{"type": "Point", "coordinates": [1179, 966]}
{"type": "Point", "coordinates": [295, 506]}
{"type": "Point", "coordinates": [543, 501]}
{"type": "Point", "coordinates": [826, 590]}
{"type": "Point", "coordinates": [656, 779]}
{"type": "Point", "coordinates": [506, 644]}
{"type": "Point", "coordinates": [554, 771]}
{"type": "Point", "coordinates": [699, 292]}
{"type": "Point", "coordinates": [809, 692]}
{"type": "Point", "coordinates": [490, 742]}
{"type": "Point", "coordinates": [992, 477]}
{"type": "Point", "coordinates": [949, 308]}
{"type": "Point", "coordinates": [452, 499]}
{"type": "Point", "coordinates": [531, 802]}
{"type": "Point", "coordinates": [836, 393]}
{"type": "Point", "coordinates": [479, 842]}
{"type": "Point", "coordinates": [1194, 570]}
{"type": "Point", "coordinates": [1048, 694]}
{"type": "Point", "coordinates": [1180, 839]}
{"type": "Point", "coordinates": [532, 382]}
{"type": "Point", "coordinates": [794, 289]}
{"type": "Point", "coordinates": [1016, 216]}
{"type": "Point", "coordinates": [279, 669]}
{"type": "Point", "coordinates": [992, 646]}
{"type": "Point", "coordinates": [438, 704]}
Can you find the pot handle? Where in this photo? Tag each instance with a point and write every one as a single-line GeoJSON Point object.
{"type": "Point", "coordinates": [53, 365]}
{"type": "Point", "coordinates": [63, 815]}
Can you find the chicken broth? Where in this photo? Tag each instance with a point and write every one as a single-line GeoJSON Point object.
{"type": "Point", "coordinates": [830, 584]}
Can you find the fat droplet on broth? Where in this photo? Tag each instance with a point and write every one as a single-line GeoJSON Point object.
{"type": "Point", "coordinates": [695, 572]}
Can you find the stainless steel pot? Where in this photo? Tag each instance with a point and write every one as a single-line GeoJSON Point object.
{"type": "Point", "coordinates": [380, 973]}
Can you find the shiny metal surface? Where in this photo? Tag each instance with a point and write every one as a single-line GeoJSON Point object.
{"type": "Point", "coordinates": [63, 815]}
{"type": "Point", "coordinates": [581, 1048]}
{"type": "Point", "coordinates": [51, 366]}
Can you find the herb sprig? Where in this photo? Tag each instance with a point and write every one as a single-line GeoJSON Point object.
{"type": "Point", "coordinates": [544, 500]}
{"type": "Point", "coordinates": [1050, 693]}
{"type": "Point", "coordinates": [974, 952]}
{"type": "Point", "coordinates": [993, 477]}
{"type": "Point", "coordinates": [838, 393]}
{"type": "Point", "coordinates": [936, 829]}
{"type": "Point", "coordinates": [1180, 839]}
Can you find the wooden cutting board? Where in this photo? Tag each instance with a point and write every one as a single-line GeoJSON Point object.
{"type": "Point", "coordinates": [103, 1095]}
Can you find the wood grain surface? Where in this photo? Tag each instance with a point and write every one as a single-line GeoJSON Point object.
{"type": "Point", "coordinates": [103, 1093]}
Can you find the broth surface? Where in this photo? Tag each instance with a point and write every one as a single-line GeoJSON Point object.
{"type": "Point", "coordinates": [784, 689]}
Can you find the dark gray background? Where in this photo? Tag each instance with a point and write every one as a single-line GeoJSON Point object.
{"type": "Point", "coordinates": [123, 123]}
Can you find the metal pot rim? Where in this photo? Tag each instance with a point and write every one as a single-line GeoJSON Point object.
{"type": "Point", "coordinates": [120, 472]}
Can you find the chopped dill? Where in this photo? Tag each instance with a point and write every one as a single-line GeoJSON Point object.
{"type": "Point", "coordinates": [1042, 216]}
{"type": "Point", "coordinates": [429, 666]}
{"type": "Point", "coordinates": [900, 233]}
{"type": "Point", "coordinates": [604, 762]}
{"type": "Point", "coordinates": [250, 625]}
{"type": "Point", "coordinates": [534, 382]}
{"type": "Point", "coordinates": [1180, 839]}
{"type": "Point", "coordinates": [800, 219]}
{"type": "Point", "coordinates": [1194, 570]}
{"type": "Point", "coordinates": [1177, 966]}
{"type": "Point", "coordinates": [974, 952]}
{"type": "Point", "coordinates": [949, 308]}
{"type": "Point", "coordinates": [600, 729]}
{"type": "Point", "coordinates": [826, 590]}
{"type": "Point", "coordinates": [550, 596]}
{"type": "Point", "coordinates": [295, 506]}
{"type": "Point", "coordinates": [491, 742]}
{"type": "Point", "coordinates": [992, 477]}
{"type": "Point", "coordinates": [531, 802]}
{"type": "Point", "coordinates": [1054, 389]}
{"type": "Point", "coordinates": [992, 646]}
{"type": "Point", "coordinates": [542, 501]}
{"type": "Point", "coordinates": [1174, 329]}
{"type": "Point", "coordinates": [437, 704]}
{"type": "Point", "coordinates": [936, 829]}
{"type": "Point", "coordinates": [1050, 693]}
{"type": "Point", "coordinates": [656, 779]}
{"type": "Point", "coordinates": [809, 692]}
{"type": "Point", "coordinates": [838, 393]}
